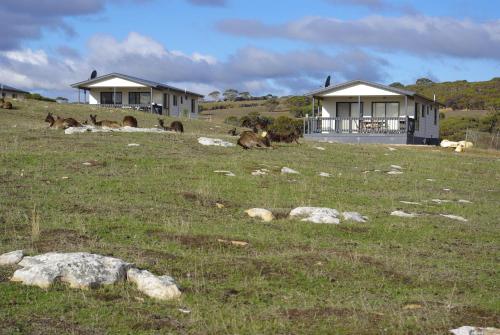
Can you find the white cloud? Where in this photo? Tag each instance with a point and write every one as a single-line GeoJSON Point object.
{"type": "Point", "coordinates": [38, 57]}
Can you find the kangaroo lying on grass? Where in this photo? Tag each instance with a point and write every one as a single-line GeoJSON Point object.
{"type": "Point", "coordinates": [174, 126]}
{"type": "Point", "coordinates": [60, 123]}
{"type": "Point", "coordinates": [6, 104]}
{"type": "Point", "coordinates": [104, 123]}
{"type": "Point", "coordinates": [249, 139]}
{"type": "Point", "coordinates": [129, 121]}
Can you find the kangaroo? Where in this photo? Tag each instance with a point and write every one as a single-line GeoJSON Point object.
{"type": "Point", "coordinates": [249, 140]}
{"type": "Point", "coordinates": [7, 105]}
{"type": "Point", "coordinates": [174, 126]}
{"type": "Point", "coordinates": [233, 132]}
{"type": "Point", "coordinates": [104, 123]}
{"type": "Point", "coordinates": [60, 123]}
{"type": "Point", "coordinates": [129, 121]}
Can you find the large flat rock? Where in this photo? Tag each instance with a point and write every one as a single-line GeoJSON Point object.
{"type": "Point", "coordinates": [79, 270]}
{"type": "Point", "coordinates": [158, 287]}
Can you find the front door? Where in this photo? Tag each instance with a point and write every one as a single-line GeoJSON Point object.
{"type": "Point", "coordinates": [343, 114]}
{"type": "Point", "coordinates": [166, 104]}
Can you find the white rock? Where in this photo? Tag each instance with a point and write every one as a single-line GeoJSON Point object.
{"type": "Point", "coordinates": [261, 172]}
{"type": "Point", "coordinates": [79, 270]}
{"type": "Point", "coordinates": [288, 170]}
{"type": "Point", "coordinates": [462, 201]}
{"type": "Point", "coordinates": [158, 287]}
{"type": "Point", "coordinates": [320, 148]}
{"type": "Point", "coordinates": [316, 214]}
{"type": "Point", "coordinates": [468, 330]}
{"type": "Point", "coordinates": [324, 174]}
{"type": "Point", "coordinates": [391, 149]}
{"type": "Point", "coordinates": [134, 145]}
{"type": "Point", "coordinates": [429, 179]}
{"type": "Point", "coordinates": [439, 201]}
{"type": "Point", "coordinates": [446, 189]}
{"type": "Point", "coordinates": [404, 214]}
{"type": "Point", "coordinates": [394, 172]}
{"type": "Point", "coordinates": [92, 129]}
{"type": "Point", "coordinates": [215, 142]}
{"type": "Point", "coordinates": [354, 216]}
{"type": "Point", "coordinates": [226, 173]}
{"type": "Point", "coordinates": [261, 213]}
{"type": "Point", "coordinates": [410, 202]}
{"type": "Point", "coordinates": [454, 217]}
{"type": "Point", "coordinates": [397, 167]}
{"type": "Point", "coordinates": [11, 258]}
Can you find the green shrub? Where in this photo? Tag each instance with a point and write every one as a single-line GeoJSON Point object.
{"type": "Point", "coordinates": [285, 129]}
{"type": "Point", "coordinates": [232, 120]}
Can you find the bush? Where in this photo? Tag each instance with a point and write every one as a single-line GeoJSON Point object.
{"type": "Point", "coordinates": [232, 120]}
{"type": "Point", "coordinates": [285, 129]}
{"type": "Point", "coordinates": [36, 96]}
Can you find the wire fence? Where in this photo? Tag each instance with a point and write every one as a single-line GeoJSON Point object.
{"type": "Point", "coordinates": [484, 140]}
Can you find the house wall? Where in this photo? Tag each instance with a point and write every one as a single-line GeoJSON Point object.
{"type": "Point", "coordinates": [426, 129]}
{"type": "Point", "coordinates": [329, 104]}
{"type": "Point", "coordinates": [95, 98]}
{"type": "Point", "coordinates": [13, 95]}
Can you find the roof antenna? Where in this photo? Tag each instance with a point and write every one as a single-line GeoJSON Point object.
{"type": "Point", "coordinates": [327, 82]}
{"type": "Point", "coordinates": [93, 75]}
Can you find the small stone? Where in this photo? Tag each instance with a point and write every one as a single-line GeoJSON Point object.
{"type": "Point", "coordinates": [134, 145]}
{"type": "Point", "coordinates": [462, 201]}
{"type": "Point", "coordinates": [397, 167]}
{"type": "Point", "coordinates": [439, 201]}
{"type": "Point", "coordinates": [226, 173]}
{"type": "Point", "coordinates": [394, 172]}
{"type": "Point", "coordinates": [219, 205]}
{"type": "Point", "coordinates": [158, 287]}
{"type": "Point", "coordinates": [429, 179]}
{"type": "Point", "coordinates": [412, 306]}
{"type": "Point", "coordinates": [354, 216]}
{"type": "Point", "coordinates": [446, 189]}
{"type": "Point", "coordinates": [65, 177]}
{"type": "Point", "coordinates": [391, 149]}
{"type": "Point", "coordinates": [184, 310]}
{"type": "Point", "coordinates": [261, 213]}
{"type": "Point", "coordinates": [454, 217]}
{"type": "Point", "coordinates": [11, 258]}
{"type": "Point", "coordinates": [404, 214]}
{"type": "Point", "coordinates": [320, 148]}
{"type": "Point", "coordinates": [261, 172]}
{"type": "Point", "coordinates": [287, 170]}
{"type": "Point", "coordinates": [236, 243]}
{"type": "Point", "coordinates": [214, 142]}
{"type": "Point", "coordinates": [325, 174]}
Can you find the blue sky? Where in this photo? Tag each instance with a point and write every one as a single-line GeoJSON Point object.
{"type": "Point", "coordinates": [280, 47]}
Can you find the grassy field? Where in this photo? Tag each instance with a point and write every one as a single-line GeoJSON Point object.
{"type": "Point", "coordinates": [155, 206]}
{"type": "Point", "coordinates": [219, 115]}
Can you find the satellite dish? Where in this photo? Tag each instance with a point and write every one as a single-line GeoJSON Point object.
{"type": "Point", "coordinates": [93, 75]}
{"type": "Point", "coordinates": [327, 82]}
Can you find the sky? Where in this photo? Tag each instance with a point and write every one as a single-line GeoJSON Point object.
{"type": "Point", "coordinates": [280, 47]}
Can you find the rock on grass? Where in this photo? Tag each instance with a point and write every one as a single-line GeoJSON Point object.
{"type": "Point", "coordinates": [158, 287]}
{"type": "Point", "coordinates": [11, 258]}
{"type": "Point", "coordinates": [261, 213]}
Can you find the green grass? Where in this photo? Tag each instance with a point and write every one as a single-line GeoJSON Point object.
{"type": "Point", "coordinates": [154, 205]}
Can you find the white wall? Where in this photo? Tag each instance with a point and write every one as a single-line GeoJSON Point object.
{"type": "Point", "coordinates": [116, 82]}
{"type": "Point", "coordinates": [329, 104]}
{"type": "Point", "coordinates": [426, 126]}
{"type": "Point", "coordinates": [14, 95]}
{"type": "Point", "coordinates": [360, 90]}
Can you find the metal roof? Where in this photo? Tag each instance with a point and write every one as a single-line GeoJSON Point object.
{"type": "Point", "coordinates": [144, 82]}
{"type": "Point", "coordinates": [369, 83]}
{"type": "Point", "coordinates": [12, 89]}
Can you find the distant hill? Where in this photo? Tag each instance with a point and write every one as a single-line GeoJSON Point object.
{"type": "Point", "coordinates": [461, 94]}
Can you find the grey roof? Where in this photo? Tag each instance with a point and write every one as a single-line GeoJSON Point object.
{"type": "Point", "coordinates": [144, 82]}
{"type": "Point", "coordinates": [369, 83]}
{"type": "Point", "coordinates": [12, 89]}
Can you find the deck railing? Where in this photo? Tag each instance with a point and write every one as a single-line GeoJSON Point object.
{"type": "Point", "coordinates": [139, 107]}
{"type": "Point", "coordinates": [362, 125]}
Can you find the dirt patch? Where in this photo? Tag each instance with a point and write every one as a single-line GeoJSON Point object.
{"type": "Point", "coordinates": [105, 296]}
{"type": "Point", "coordinates": [62, 240]}
{"type": "Point", "coordinates": [472, 315]}
{"type": "Point", "coordinates": [314, 313]}
{"type": "Point", "coordinates": [38, 325]}
{"type": "Point", "coordinates": [157, 322]}
{"type": "Point", "coordinates": [204, 200]}
{"type": "Point", "coordinates": [197, 241]}
{"type": "Point", "coordinates": [6, 272]}
{"type": "Point", "coordinates": [353, 229]}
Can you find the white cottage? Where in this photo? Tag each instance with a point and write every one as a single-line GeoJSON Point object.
{"type": "Point", "coordinates": [122, 91]}
{"type": "Point", "coordinates": [364, 112]}
{"type": "Point", "coordinates": [7, 91]}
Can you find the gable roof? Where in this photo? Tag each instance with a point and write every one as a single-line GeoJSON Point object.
{"type": "Point", "coordinates": [144, 82]}
{"type": "Point", "coordinates": [368, 83]}
{"type": "Point", "coordinates": [12, 89]}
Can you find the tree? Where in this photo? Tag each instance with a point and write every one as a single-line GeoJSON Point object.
{"type": "Point", "coordinates": [271, 104]}
{"type": "Point", "coordinates": [215, 95]}
{"type": "Point", "coordinates": [397, 85]}
{"type": "Point", "coordinates": [424, 82]}
{"type": "Point", "coordinates": [299, 105]}
{"type": "Point", "coordinates": [245, 95]}
{"type": "Point", "coordinates": [230, 94]}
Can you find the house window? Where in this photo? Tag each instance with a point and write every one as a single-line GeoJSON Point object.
{"type": "Point", "coordinates": [349, 109]}
{"type": "Point", "coordinates": [385, 109]}
{"type": "Point", "coordinates": [423, 110]}
{"type": "Point", "coordinates": [417, 116]}
{"type": "Point", "coordinates": [182, 100]}
{"type": "Point", "coordinates": [14, 95]}
{"type": "Point", "coordinates": [435, 116]}
{"type": "Point", "coordinates": [3, 94]}
{"type": "Point", "coordinates": [139, 98]}
{"type": "Point", "coordinates": [174, 100]}
{"type": "Point", "coordinates": [107, 98]}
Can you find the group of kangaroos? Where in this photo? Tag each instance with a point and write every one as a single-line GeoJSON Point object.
{"type": "Point", "coordinates": [58, 122]}
{"type": "Point", "coordinates": [258, 138]}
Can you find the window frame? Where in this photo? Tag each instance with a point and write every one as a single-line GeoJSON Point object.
{"type": "Point", "coordinates": [385, 108]}
{"type": "Point", "coordinates": [113, 96]}
{"type": "Point", "coordinates": [350, 107]}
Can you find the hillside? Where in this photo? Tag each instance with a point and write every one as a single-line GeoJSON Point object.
{"type": "Point", "coordinates": [462, 94]}
{"type": "Point", "coordinates": [161, 206]}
